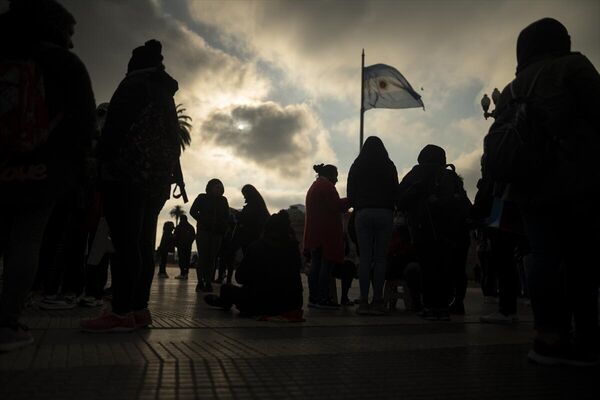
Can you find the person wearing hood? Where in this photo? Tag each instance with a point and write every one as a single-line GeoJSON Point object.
{"type": "Point", "coordinates": [251, 220]}
{"type": "Point", "coordinates": [141, 109]}
{"type": "Point", "coordinates": [559, 208]}
{"type": "Point", "coordinates": [437, 206]}
{"type": "Point", "coordinates": [35, 41]}
{"type": "Point", "coordinates": [372, 183]}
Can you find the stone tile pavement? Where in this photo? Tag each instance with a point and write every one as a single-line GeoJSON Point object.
{"type": "Point", "coordinates": [194, 352]}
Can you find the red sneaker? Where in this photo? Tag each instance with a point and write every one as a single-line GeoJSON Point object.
{"type": "Point", "coordinates": [143, 318]}
{"type": "Point", "coordinates": [109, 322]}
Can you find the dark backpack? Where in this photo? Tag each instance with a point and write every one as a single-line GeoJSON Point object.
{"type": "Point", "coordinates": [150, 153]}
{"type": "Point", "coordinates": [24, 124]}
{"type": "Point", "coordinates": [444, 207]}
{"type": "Point", "coordinates": [513, 149]}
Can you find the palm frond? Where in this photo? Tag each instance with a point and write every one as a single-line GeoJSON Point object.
{"type": "Point", "coordinates": [185, 127]}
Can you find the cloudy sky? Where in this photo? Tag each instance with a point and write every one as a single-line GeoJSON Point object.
{"type": "Point", "coordinates": [274, 86]}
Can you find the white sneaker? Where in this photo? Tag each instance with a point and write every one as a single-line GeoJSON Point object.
{"type": "Point", "coordinates": [90, 301]}
{"type": "Point", "coordinates": [57, 302]}
{"type": "Point", "coordinates": [499, 318]}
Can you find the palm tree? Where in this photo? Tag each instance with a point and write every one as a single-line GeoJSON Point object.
{"type": "Point", "coordinates": [177, 212]}
{"type": "Point", "coordinates": [185, 126]}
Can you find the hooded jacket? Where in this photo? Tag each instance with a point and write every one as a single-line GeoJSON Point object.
{"type": "Point", "coordinates": [55, 168]}
{"type": "Point", "coordinates": [565, 103]}
{"type": "Point", "coordinates": [373, 178]}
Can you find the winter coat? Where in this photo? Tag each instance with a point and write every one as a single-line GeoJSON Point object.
{"type": "Point", "coordinates": [184, 235]}
{"type": "Point", "coordinates": [565, 104]}
{"type": "Point", "coordinates": [270, 277]}
{"type": "Point", "coordinates": [135, 92]}
{"type": "Point", "coordinates": [57, 167]}
{"type": "Point", "coordinates": [250, 223]}
{"type": "Point", "coordinates": [372, 184]}
{"type": "Point", "coordinates": [167, 242]}
{"type": "Point", "coordinates": [211, 213]}
{"type": "Point", "coordinates": [323, 224]}
{"type": "Point", "coordinates": [436, 203]}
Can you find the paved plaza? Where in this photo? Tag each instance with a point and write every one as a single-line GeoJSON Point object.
{"type": "Point", "coordinates": [195, 352]}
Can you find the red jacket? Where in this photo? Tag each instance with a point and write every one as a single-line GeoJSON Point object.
{"type": "Point", "coordinates": [323, 224]}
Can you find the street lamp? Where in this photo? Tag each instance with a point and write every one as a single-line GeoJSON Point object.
{"type": "Point", "coordinates": [485, 103]}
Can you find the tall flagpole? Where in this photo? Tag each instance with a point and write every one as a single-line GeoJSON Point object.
{"type": "Point", "coordinates": [362, 104]}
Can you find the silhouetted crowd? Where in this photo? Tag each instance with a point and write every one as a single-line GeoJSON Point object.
{"type": "Point", "coordinates": [83, 186]}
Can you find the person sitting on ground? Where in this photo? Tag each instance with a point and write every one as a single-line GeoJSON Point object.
{"type": "Point", "coordinates": [269, 275]}
{"type": "Point", "coordinates": [251, 220]}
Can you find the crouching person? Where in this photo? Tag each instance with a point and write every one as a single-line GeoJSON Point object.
{"type": "Point", "coordinates": [269, 275]}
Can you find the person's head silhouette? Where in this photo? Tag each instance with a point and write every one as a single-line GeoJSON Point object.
{"type": "Point", "coordinates": [545, 37]}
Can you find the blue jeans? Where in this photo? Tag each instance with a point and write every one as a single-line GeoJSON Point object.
{"type": "Point", "coordinates": [374, 228]}
{"type": "Point", "coordinates": [563, 275]}
{"type": "Point", "coordinates": [318, 276]}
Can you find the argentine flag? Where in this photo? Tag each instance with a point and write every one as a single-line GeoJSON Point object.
{"type": "Point", "coordinates": [385, 87]}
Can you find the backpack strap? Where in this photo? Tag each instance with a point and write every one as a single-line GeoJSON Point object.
{"type": "Point", "coordinates": [531, 86]}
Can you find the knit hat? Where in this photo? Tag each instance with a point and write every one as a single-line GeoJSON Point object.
{"type": "Point", "coordinates": [146, 56]}
{"type": "Point", "coordinates": [433, 155]}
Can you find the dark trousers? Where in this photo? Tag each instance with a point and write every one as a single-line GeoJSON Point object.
{"type": "Point", "coordinates": [434, 260]}
{"type": "Point", "coordinates": [458, 265]}
{"type": "Point", "coordinates": [319, 276]}
{"type": "Point", "coordinates": [489, 278]}
{"type": "Point", "coordinates": [184, 254]}
{"type": "Point", "coordinates": [162, 263]}
{"type": "Point", "coordinates": [208, 244]}
{"type": "Point", "coordinates": [503, 262]}
{"type": "Point", "coordinates": [132, 216]}
{"type": "Point", "coordinates": [21, 232]}
{"type": "Point", "coordinates": [563, 275]}
{"type": "Point", "coordinates": [62, 256]}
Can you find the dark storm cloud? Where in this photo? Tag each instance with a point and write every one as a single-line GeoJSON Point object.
{"type": "Point", "coordinates": [107, 31]}
{"type": "Point", "coordinates": [275, 137]}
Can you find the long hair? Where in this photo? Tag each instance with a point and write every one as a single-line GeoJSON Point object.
{"type": "Point", "coordinates": [253, 197]}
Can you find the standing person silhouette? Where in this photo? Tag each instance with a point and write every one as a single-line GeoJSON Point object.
{"type": "Point", "coordinates": [138, 151]}
{"type": "Point", "coordinates": [166, 246]}
{"type": "Point", "coordinates": [559, 206]}
{"type": "Point", "coordinates": [184, 239]}
{"type": "Point", "coordinates": [42, 157]}
{"type": "Point", "coordinates": [211, 212]}
{"type": "Point", "coordinates": [372, 184]}
{"type": "Point", "coordinates": [323, 234]}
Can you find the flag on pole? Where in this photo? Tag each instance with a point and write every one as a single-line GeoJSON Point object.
{"type": "Point", "coordinates": [385, 87]}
